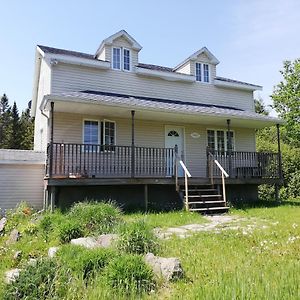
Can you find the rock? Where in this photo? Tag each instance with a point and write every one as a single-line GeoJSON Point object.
{"type": "Point", "coordinates": [87, 242]}
{"type": "Point", "coordinates": [17, 255]}
{"type": "Point", "coordinates": [2, 224]}
{"type": "Point", "coordinates": [106, 240]}
{"type": "Point", "coordinates": [32, 262]}
{"type": "Point", "coordinates": [103, 241]}
{"type": "Point", "coordinates": [11, 275]}
{"type": "Point", "coordinates": [13, 237]}
{"type": "Point", "coordinates": [52, 251]}
{"type": "Point", "coordinates": [168, 268]}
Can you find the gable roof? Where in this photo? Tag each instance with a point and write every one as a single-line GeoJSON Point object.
{"type": "Point", "coordinates": [193, 57]}
{"type": "Point", "coordinates": [121, 33]}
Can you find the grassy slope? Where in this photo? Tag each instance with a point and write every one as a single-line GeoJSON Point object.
{"type": "Point", "coordinates": [264, 264]}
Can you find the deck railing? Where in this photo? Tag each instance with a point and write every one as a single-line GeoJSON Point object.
{"type": "Point", "coordinates": [240, 164]}
{"type": "Point", "coordinates": [87, 160]}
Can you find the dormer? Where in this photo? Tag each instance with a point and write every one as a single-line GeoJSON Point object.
{"type": "Point", "coordinates": [201, 64]}
{"type": "Point", "coordinates": [121, 50]}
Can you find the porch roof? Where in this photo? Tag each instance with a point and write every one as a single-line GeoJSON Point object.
{"type": "Point", "coordinates": [163, 106]}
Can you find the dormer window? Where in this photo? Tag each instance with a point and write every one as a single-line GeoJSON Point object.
{"type": "Point", "coordinates": [121, 59]}
{"type": "Point", "coordinates": [202, 72]}
{"type": "Point", "coordinates": [126, 60]}
{"type": "Point", "coordinates": [116, 58]}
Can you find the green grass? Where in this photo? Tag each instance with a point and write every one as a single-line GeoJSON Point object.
{"type": "Point", "coordinates": [233, 264]}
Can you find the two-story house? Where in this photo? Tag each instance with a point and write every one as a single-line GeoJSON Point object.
{"type": "Point", "coordinates": [116, 128]}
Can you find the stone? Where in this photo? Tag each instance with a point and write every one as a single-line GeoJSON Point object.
{"type": "Point", "coordinates": [2, 224]}
{"type": "Point", "coordinates": [11, 275]}
{"type": "Point", "coordinates": [87, 242]}
{"type": "Point", "coordinates": [106, 240]}
{"type": "Point", "coordinates": [32, 262]}
{"type": "Point", "coordinates": [13, 237]}
{"type": "Point", "coordinates": [52, 251]}
{"type": "Point", "coordinates": [17, 255]}
{"type": "Point", "coordinates": [168, 268]}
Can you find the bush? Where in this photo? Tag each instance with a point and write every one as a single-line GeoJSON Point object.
{"type": "Point", "coordinates": [130, 274]}
{"type": "Point", "coordinates": [97, 218]}
{"type": "Point", "coordinates": [84, 262]}
{"type": "Point", "coordinates": [41, 281]}
{"type": "Point", "coordinates": [69, 230]}
{"type": "Point", "coordinates": [138, 238]}
{"type": "Point", "coordinates": [294, 185]}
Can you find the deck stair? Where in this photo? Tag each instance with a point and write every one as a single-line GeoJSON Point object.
{"type": "Point", "coordinates": [204, 199]}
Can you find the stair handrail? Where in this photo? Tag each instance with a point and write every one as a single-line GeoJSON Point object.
{"type": "Point", "coordinates": [187, 175]}
{"type": "Point", "coordinates": [223, 173]}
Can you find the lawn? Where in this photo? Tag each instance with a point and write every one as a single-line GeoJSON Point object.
{"type": "Point", "coordinates": [260, 263]}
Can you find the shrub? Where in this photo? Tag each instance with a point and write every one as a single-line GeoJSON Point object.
{"type": "Point", "coordinates": [138, 238]}
{"type": "Point", "coordinates": [97, 218]}
{"type": "Point", "coordinates": [69, 230]}
{"type": "Point", "coordinates": [31, 229]}
{"type": "Point", "coordinates": [84, 262]}
{"type": "Point", "coordinates": [40, 281]}
{"type": "Point", "coordinates": [294, 185]}
{"type": "Point", "coordinates": [130, 274]}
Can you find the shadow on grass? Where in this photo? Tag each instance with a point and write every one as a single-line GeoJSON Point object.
{"type": "Point", "coordinates": [264, 203]}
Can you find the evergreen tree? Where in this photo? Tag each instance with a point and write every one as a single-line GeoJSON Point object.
{"type": "Point", "coordinates": [5, 122]}
{"type": "Point", "coordinates": [27, 130]}
{"type": "Point", "coordinates": [16, 132]}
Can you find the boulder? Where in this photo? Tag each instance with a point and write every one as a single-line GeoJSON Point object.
{"type": "Point", "coordinates": [168, 268]}
{"type": "Point", "coordinates": [2, 224]}
{"type": "Point", "coordinates": [87, 242]}
{"type": "Point", "coordinates": [52, 251]}
{"type": "Point", "coordinates": [106, 240]}
{"type": "Point", "coordinates": [103, 241]}
{"type": "Point", "coordinates": [11, 275]}
{"type": "Point", "coordinates": [13, 237]}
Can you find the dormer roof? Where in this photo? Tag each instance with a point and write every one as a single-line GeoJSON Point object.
{"type": "Point", "coordinates": [122, 33]}
{"type": "Point", "coordinates": [213, 60]}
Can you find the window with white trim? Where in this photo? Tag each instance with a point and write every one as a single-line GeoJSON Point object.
{"type": "Point", "coordinates": [126, 59]}
{"type": "Point", "coordinates": [91, 132]}
{"type": "Point", "coordinates": [116, 58]}
{"type": "Point", "coordinates": [198, 72]}
{"type": "Point", "coordinates": [219, 140]}
{"type": "Point", "coordinates": [108, 133]}
{"type": "Point", "coordinates": [202, 72]}
{"type": "Point", "coordinates": [205, 72]}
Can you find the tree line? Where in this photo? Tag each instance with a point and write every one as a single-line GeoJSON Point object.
{"type": "Point", "coordinates": [16, 131]}
{"type": "Point", "coordinates": [286, 102]}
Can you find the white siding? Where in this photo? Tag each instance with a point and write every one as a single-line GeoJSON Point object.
{"type": "Point", "coordinates": [21, 178]}
{"type": "Point", "coordinates": [72, 78]}
{"type": "Point", "coordinates": [41, 122]}
{"type": "Point", "coordinates": [68, 129]}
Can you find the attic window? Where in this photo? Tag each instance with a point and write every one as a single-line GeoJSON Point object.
{"type": "Point", "coordinates": [121, 59]}
{"type": "Point", "coordinates": [116, 58]}
{"type": "Point", "coordinates": [202, 72]}
{"type": "Point", "coordinates": [126, 60]}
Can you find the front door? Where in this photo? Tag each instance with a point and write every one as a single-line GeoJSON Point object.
{"type": "Point", "coordinates": [174, 136]}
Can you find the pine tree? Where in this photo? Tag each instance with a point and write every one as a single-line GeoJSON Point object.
{"type": "Point", "coordinates": [27, 130]}
{"type": "Point", "coordinates": [5, 122]}
{"type": "Point", "coordinates": [16, 132]}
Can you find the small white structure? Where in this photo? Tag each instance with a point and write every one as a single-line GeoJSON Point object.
{"type": "Point", "coordinates": [21, 178]}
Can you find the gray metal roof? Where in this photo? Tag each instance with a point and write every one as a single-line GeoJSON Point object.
{"type": "Point", "coordinates": [164, 105]}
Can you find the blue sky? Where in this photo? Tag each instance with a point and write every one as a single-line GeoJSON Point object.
{"type": "Point", "coordinates": [250, 38]}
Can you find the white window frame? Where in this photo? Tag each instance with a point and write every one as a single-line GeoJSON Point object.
{"type": "Point", "coordinates": [103, 131]}
{"type": "Point", "coordinates": [112, 58]}
{"type": "Point", "coordinates": [225, 138]}
{"type": "Point", "coordinates": [202, 72]}
{"type": "Point", "coordinates": [123, 59]}
{"type": "Point", "coordinates": [91, 120]}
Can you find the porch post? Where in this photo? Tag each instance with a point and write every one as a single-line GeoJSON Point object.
{"type": "Point", "coordinates": [279, 163]}
{"type": "Point", "coordinates": [229, 148]}
{"type": "Point", "coordinates": [132, 145]}
{"type": "Point", "coordinates": [51, 139]}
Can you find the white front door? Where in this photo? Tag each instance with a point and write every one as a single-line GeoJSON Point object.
{"type": "Point", "coordinates": [174, 135]}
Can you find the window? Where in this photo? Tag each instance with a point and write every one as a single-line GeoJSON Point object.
{"type": "Point", "coordinates": [126, 60]}
{"type": "Point", "coordinates": [91, 132]}
{"type": "Point", "coordinates": [116, 58]}
{"type": "Point", "coordinates": [108, 133]}
{"type": "Point", "coordinates": [202, 72]}
{"type": "Point", "coordinates": [206, 73]}
{"type": "Point", "coordinates": [121, 59]}
{"type": "Point", "coordinates": [173, 133]}
{"type": "Point", "coordinates": [219, 140]}
{"type": "Point", "coordinates": [198, 72]}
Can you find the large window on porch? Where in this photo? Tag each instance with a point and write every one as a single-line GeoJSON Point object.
{"type": "Point", "coordinates": [220, 140]}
